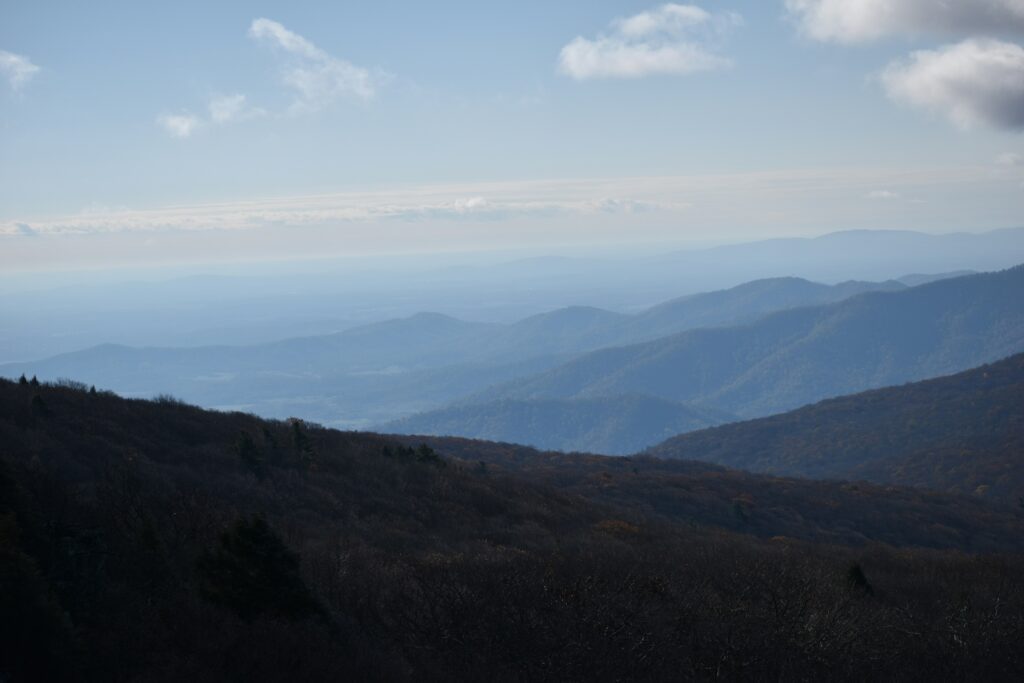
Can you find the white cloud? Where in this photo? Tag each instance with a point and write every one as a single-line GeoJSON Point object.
{"type": "Point", "coordinates": [670, 39]}
{"type": "Point", "coordinates": [853, 21]}
{"type": "Point", "coordinates": [675, 18]}
{"type": "Point", "coordinates": [613, 205]}
{"type": "Point", "coordinates": [975, 82]}
{"type": "Point", "coordinates": [226, 108]}
{"type": "Point", "coordinates": [470, 204]}
{"type": "Point", "coordinates": [180, 125]}
{"type": "Point", "coordinates": [882, 194]}
{"type": "Point", "coordinates": [17, 69]}
{"type": "Point", "coordinates": [317, 77]}
{"type": "Point", "coordinates": [223, 109]}
{"type": "Point", "coordinates": [1010, 159]}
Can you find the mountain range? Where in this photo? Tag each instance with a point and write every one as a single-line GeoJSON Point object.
{"type": "Point", "coordinates": [374, 373]}
{"type": "Point", "coordinates": [48, 314]}
{"type": "Point", "coordinates": [802, 355]}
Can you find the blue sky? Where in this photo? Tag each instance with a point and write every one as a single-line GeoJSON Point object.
{"type": "Point", "coordinates": [133, 131]}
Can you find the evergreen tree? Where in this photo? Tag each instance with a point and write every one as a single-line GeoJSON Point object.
{"type": "Point", "coordinates": [253, 573]}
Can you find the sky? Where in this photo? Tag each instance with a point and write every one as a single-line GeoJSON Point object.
{"type": "Point", "coordinates": [135, 133]}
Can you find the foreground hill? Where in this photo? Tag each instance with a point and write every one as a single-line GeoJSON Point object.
{"type": "Point", "coordinates": [375, 373]}
{"type": "Point", "coordinates": [803, 355]}
{"type": "Point", "coordinates": [156, 541]}
{"type": "Point", "coordinates": [614, 425]}
{"type": "Point", "coordinates": [962, 433]}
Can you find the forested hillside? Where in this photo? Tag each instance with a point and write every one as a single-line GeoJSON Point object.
{"type": "Point", "coordinates": [156, 541]}
{"type": "Point", "coordinates": [962, 433]}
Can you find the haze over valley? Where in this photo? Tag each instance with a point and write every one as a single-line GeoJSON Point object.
{"type": "Point", "coordinates": [579, 341]}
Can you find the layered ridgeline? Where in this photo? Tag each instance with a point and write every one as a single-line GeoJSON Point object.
{"type": "Point", "coordinates": [153, 540]}
{"type": "Point", "coordinates": [790, 358]}
{"type": "Point", "coordinates": [386, 370]}
{"type": "Point", "coordinates": [43, 317]}
{"type": "Point", "coordinates": [961, 433]}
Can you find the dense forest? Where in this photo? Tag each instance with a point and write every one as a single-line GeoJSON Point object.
{"type": "Point", "coordinates": [151, 540]}
{"type": "Point", "coordinates": [962, 433]}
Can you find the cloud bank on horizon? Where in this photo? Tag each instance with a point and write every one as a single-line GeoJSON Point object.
{"type": "Point", "coordinates": [657, 199]}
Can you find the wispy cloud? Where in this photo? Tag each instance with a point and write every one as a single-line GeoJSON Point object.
{"type": "Point", "coordinates": [670, 39]}
{"type": "Point", "coordinates": [974, 82]}
{"type": "Point", "coordinates": [662, 199]}
{"type": "Point", "coordinates": [227, 108]}
{"type": "Point", "coordinates": [181, 125]}
{"type": "Point", "coordinates": [437, 204]}
{"type": "Point", "coordinates": [223, 109]}
{"type": "Point", "coordinates": [855, 21]}
{"type": "Point", "coordinates": [17, 69]}
{"type": "Point", "coordinates": [317, 77]}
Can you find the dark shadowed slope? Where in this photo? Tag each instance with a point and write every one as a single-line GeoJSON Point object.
{"type": "Point", "coordinates": [156, 541]}
{"type": "Point", "coordinates": [242, 462]}
{"type": "Point", "coordinates": [614, 425]}
{"type": "Point", "coordinates": [962, 433]}
{"type": "Point", "coordinates": [696, 492]}
{"type": "Point", "coordinates": [803, 355]}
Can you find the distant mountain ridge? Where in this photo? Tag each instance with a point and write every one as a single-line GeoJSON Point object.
{"type": "Point", "coordinates": [799, 356]}
{"type": "Point", "coordinates": [45, 317]}
{"type": "Point", "coordinates": [962, 433]}
{"type": "Point", "coordinates": [375, 373]}
{"type": "Point", "coordinates": [862, 254]}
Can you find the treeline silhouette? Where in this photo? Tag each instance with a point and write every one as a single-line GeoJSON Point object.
{"type": "Point", "coordinates": [152, 541]}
